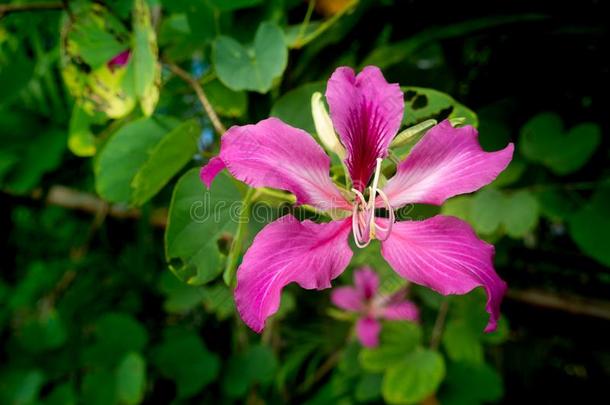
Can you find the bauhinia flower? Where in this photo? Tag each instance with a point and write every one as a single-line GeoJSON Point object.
{"type": "Point", "coordinates": [365, 300]}
{"type": "Point", "coordinates": [442, 252]}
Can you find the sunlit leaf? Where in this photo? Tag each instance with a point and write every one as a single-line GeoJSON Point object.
{"type": "Point", "coordinates": [255, 68]}
{"type": "Point", "coordinates": [131, 379]}
{"type": "Point", "coordinates": [422, 104]}
{"type": "Point", "coordinates": [414, 378]}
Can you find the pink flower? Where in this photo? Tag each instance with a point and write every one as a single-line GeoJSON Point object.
{"type": "Point", "coordinates": [119, 60]}
{"type": "Point", "coordinates": [364, 299]}
{"type": "Point", "coordinates": [442, 253]}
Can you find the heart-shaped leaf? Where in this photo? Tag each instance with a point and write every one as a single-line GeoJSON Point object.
{"type": "Point", "coordinates": [251, 68]}
{"type": "Point", "coordinates": [544, 140]}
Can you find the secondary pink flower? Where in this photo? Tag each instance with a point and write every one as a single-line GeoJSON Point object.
{"type": "Point", "coordinates": [119, 60]}
{"type": "Point", "coordinates": [442, 253]}
{"type": "Point", "coordinates": [364, 299]}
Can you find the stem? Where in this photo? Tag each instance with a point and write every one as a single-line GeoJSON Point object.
{"type": "Point", "coordinates": [14, 8]}
{"type": "Point", "coordinates": [305, 23]}
{"type": "Point", "coordinates": [238, 241]}
{"type": "Point", "coordinates": [439, 325]}
{"type": "Point", "coordinates": [325, 25]}
{"type": "Point", "coordinates": [218, 126]}
{"type": "Point", "coordinates": [328, 365]}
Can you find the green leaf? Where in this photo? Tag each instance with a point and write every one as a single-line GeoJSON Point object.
{"type": "Point", "coordinates": [230, 5]}
{"type": "Point", "coordinates": [99, 388]}
{"type": "Point", "coordinates": [520, 213]}
{"type": "Point", "coordinates": [81, 140]}
{"type": "Point", "coordinates": [179, 297]}
{"type": "Point", "coordinates": [184, 358]}
{"type": "Point", "coordinates": [462, 342]}
{"type": "Point", "coordinates": [368, 387]}
{"type": "Point", "coordinates": [459, 207]}
{"type": "Point", "coordinates": [218, 299]}
{"type": "Point", "coordinates": [543, 140]}
{"type": "Point", "coordinates": [116, 334]}
{"type": "Point", "coordinates": [257, 365]}
{"type": "Point", "coordinates": [131, 379]}
{"type": "Point", "coordinates": [589, 227]}
{"type": "Point", "coordinates": [414, 379]}
{"type": "Point", "coordinates": [143, 74]}
{"type": "Point", "coordinates": [487, 210]}
{"type": "Point", "coordinates": [294, 107]}
{"type": "Point", "coordinates": [170, 155]}
{"type": "Point", "coordinates": [20, 386]}
{"type": "Point", "coordinates": [422, 104]}
{"type": "Point", "coordinates": [397, 341]}
{"type": "Point", "coordinates": [34, 163]}
{"type": "Point", "coordinates": [46, 331]}
{"type": "Point", "coordinates": [197, 219]}
{"type": "Point", "coordinates": [125, 153]}
{"type": "Point", "coordinates": [95, 87]}
{"type": "Point", "coordinates": [471, 384]}
{"type": "Point", "coordinates": [16, 71]}
{"type": "Point", "coordinates": [255, 68]}
{"type": "Point", "coordinates": [225, 101]}
{"type": "Point", "coordinates": [96, 36]}
{"type": "Point", "coordinates": [63, 394]}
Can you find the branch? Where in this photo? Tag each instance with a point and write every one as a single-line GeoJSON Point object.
{"type": "Point", "coordinates": [573, 304]}
{"type": "Point", "coordinates": [439, 325]}
{"type": "Point", "coordinates": [13, 8]}
{"type": "Point", "coordinates": [81, 201]}
{"type": "Point", "coordinates": [220, 129]}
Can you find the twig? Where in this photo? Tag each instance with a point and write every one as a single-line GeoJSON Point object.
{"type": "Point", "coordinates": [328, 365]}
{"type": "Point", "coordinates": [14, 8]}
{"type": "Point", "coordinates": [178, 71]}
{"type": "Point", "coordinates": [565, 302]}
{"type": "Point", "coordinates": [439, 325]}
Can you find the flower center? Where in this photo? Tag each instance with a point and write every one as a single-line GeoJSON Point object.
{"type": "Point", "coordinates": [364, 226]}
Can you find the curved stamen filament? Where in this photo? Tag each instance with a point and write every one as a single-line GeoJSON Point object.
{"type": "Point", "coordinates": [364, 226]}
{"type": "Point", "coordinates": [372, 195]}
{"type": "Point", "coordinates": [392, 218]}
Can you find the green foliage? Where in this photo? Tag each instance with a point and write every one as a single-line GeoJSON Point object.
{"type": "Point", "coordinates": [422, 104]}
{"type": "Point", "coordinates": [255, 68]}
{"type": "Point", "coordinates": [198, 218]}
{"type": "Point", "coordinates": [415, 378]}
{"type": "Point", "coordinates": [589, 225]}
{"type": "Point", "coordinates": [544, 140]}
{"type": "Point", "coordinates": [183, 357]}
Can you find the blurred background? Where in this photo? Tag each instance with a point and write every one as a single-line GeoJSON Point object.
{"type": "Point", "coordinates": [99, 302]}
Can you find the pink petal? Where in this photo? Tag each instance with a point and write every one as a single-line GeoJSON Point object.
{"type": "Point", "coordinates": [347, 298]}
{"type": "Point", "coordinates": [446, 162]}
{"type": "Point", "coordinates": [209, 171]}
{"type": "Point", "coordinates": [367, 282]}
{"type": "Point", "coordinates": [287, 251]}
{"type": "Point", "coordinates": [367, 330]}
{"type": "Point", "coordinates": [400, 311]}
{"type": "Point", "coordinates": [274, 154]}
{"type": "Point", "coordinates": [366, 112]}
{"type": "Point", "coordinates": [444, 254]}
